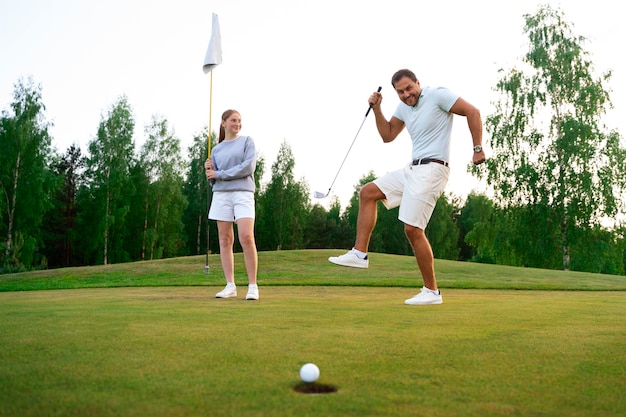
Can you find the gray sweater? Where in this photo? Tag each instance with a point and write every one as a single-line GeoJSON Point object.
{"type": "Point", "coordinates": [234, 161]}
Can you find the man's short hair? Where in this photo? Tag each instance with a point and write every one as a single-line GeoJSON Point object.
{"type": "Point", "coordinates": [400, 74]}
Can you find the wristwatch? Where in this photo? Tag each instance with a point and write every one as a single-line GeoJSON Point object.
{"type": "Point", "coordinates": [478, 148]}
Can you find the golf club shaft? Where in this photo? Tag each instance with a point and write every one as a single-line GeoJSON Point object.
{"type": "Point", "coordinates": [347, 153]}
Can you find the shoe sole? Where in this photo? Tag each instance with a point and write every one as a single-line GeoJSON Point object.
{"type": "Point", "coordinates": [226, 296]}
{"type": "Point", "coordinates": [424, 304]}
{"type": "Point", "coordinates": [348, 265]}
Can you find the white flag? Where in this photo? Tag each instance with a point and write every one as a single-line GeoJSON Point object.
{"type": "Point", "coordinates": [214, 52]}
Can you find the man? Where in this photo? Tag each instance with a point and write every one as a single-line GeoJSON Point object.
{"type": "Point", "coordinates": [427, 114]}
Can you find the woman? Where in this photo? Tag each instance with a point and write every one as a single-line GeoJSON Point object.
{"type": "Point", "coordinates": [231, 173]}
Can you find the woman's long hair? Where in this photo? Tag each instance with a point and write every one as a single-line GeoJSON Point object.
{"type": "Point", "coordinates": [225, 117]}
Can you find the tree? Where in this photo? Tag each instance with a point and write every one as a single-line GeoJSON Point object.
{"type": "Point", "coordinates": [318, 228]}
{"type": "Point", "coordinates": [195, 189]}
{"type": "Point", "coordinates": [339, 234]}
{"type": "Point", "coordinates": [602, 252]}
{"type": "Point", "coordinates": [108, 189]}
{"type": "Point", "coordinates": [388, 235]}
{"type": "Point", "coordinates": [476, 229]}
{"type": "Point", "coordinates": [163, 201]}
{"type": "Point", "coordinates": [442, 232]}
{"type": "Point", "coordinates": [283, 206]}
{"type": "Point", "coordinates": [25, 182]}
{"type": "Point", "coordinates": [549, 148]}
{"type": "Point", "coordinates": [60, 222]}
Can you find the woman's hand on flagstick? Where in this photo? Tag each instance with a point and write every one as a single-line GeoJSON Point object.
{"type": "Point", "coordinates": [208, 169]}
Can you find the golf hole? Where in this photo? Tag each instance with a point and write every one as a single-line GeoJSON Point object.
{"type": "Point", "coordinates": [314, 388]}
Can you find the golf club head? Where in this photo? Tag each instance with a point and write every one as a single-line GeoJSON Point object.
{"type": "Point", "coordinates": [319, 194]}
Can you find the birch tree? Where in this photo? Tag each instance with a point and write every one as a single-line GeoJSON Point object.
{"type": "Point", "coordinates": [108, 164]}
{"type": "Point", "coordinates": [550, 149]}
{"type": "Point", "coordinates": [283, 206]}
{"type": "Point", "coordinates": [164, 202]}
{"type": "Point", "coordinates": [25, 144]}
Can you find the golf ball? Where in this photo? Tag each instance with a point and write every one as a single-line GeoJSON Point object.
{"type": "Point", "coordinates": [309, 372]}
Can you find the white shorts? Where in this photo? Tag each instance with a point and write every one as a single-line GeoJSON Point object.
{"type": "Point", "coordinates": [230, 206]}
{"type": "Point", "coordinates": [416, 189]}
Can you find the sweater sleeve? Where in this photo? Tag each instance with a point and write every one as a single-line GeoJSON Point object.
{"type": "Point", "coordinates": [245, 168]}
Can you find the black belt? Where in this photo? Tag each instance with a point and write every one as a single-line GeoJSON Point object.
{"type": "Point", "coordinates": [425, 161]}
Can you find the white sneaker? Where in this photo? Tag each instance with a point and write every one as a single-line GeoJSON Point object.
{"type": "Point", "coordinates": [350, 259]}
{"type": "Point", "coordinates": [227, 292]}
{"type": "Point", "coordinates": [425, 297]}
{"type": "Point", "coordinates": [253, 293]}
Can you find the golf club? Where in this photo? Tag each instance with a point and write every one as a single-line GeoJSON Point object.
{"type": "Point", "coordinates": [319, 194]}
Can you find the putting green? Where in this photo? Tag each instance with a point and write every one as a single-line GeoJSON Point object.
{"type": "Point", "coordinates": [169, 351]}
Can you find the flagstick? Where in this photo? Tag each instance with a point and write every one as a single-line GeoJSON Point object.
{"type": "Point", "coordinates": [210, 109]}
{"type": "Point", "coordinates": [208, 191]}
{"type": "Point", "coordinates": [212, 58]}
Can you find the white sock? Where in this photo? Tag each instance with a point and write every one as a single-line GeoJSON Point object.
{"type": "Point", "coordinates": [436, 292]}
{"type": "Point", "coordinates": [252, 286]}
{"type": "Point", "coordinates": [359, 254]}
{"type": "Point", "coordinates": [230, 285]}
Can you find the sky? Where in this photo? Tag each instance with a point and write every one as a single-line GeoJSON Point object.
{"type": "Point", "coordinates": [299, 72]}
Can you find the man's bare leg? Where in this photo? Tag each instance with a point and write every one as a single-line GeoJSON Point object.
{"type": "Point", "coordinates": [368, 197]}
{"type": "Point", "coordinates": [357, 257]}
{"type": "Point", "coordinates": [423, 254]}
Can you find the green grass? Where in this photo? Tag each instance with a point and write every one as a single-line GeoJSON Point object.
{"type": "Point", "coordinates": [506, 341]}
{"type": "Point", "coordinates": [310, 267]}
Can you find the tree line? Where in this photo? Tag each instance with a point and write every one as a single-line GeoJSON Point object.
{"type": "Point", "coordinates": [556, 180]}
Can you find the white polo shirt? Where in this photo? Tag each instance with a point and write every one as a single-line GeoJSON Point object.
{"type": "Point", "coordinates": [429, 123]}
